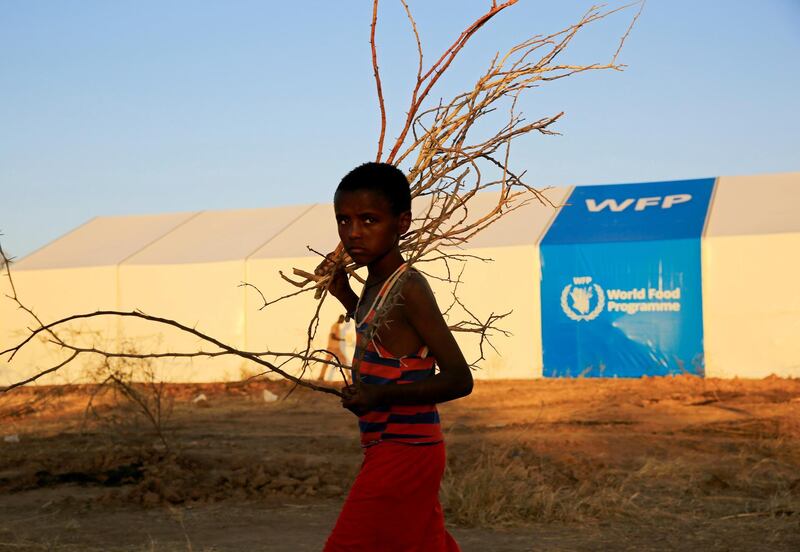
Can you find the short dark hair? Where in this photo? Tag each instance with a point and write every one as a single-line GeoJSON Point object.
{"type": "Point", "coordinates": [386, 179]}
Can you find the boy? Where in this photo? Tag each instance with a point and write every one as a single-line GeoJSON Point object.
{"type": "Point", "coordinates": [393, 504]}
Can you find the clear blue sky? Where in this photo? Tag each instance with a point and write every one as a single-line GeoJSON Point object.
{"type": "Point", "coordinates": [144, 107]}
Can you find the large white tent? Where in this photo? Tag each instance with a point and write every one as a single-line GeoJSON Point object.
{"type": "Point", "coordinates": [190, 266]}
{"type": "Point", "coordinates": [751, 263]}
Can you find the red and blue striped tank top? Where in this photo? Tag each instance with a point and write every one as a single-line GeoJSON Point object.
{"type": "Point", "coordinates": [414, 425]}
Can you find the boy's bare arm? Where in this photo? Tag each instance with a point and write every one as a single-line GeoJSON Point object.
{"type": "Point", "coordinates": [454, 379]}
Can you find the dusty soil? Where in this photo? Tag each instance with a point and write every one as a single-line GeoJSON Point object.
{"type": "Point", "coordinates": [651, 464]}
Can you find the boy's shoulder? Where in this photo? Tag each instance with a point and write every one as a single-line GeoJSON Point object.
{"type": "Point", "coordinates": [415, 281]}
{"type": "Point", "coordinates": [416, 292]}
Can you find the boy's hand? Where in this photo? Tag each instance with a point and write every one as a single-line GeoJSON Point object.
{"type": "Point", "coordinates": [339, 286]}
{"type": "Point", "coordinates": [360, 399]}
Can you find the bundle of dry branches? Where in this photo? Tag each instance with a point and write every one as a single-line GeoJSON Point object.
{"type": "Point", "coordinates": [450, 163]}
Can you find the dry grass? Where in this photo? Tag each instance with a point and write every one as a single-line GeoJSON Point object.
{"type": "Point", "coordinates": [675, 455]}
{"type": "Point", "coordinates": [681, 448]}
{"type": "Point", "coordinates": [26, 545]}
{"type": "Point", "coordinates": [510, 484]}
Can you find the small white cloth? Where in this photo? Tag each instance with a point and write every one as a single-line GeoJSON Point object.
{"type": "Point", "coordinates": [347, 332]}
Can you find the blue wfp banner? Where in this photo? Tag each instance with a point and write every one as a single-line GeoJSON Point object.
{"type": "Point", "coordinates": [621, 281]}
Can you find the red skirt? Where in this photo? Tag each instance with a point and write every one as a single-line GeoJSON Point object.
{"type": "Point", "coordinates": [393, 505]}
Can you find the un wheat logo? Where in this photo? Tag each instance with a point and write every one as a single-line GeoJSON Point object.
{"type": "Point", "coordinates": [576, 299]}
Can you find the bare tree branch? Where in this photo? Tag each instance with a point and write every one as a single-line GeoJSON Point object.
{"type": "Point", "coordinates": [376, 73]}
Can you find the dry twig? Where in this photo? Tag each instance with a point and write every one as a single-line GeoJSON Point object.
{"type": "Point", "coordinates": [451, 162]}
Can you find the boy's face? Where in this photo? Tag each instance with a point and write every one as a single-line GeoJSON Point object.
{"type": "Point", "coordinates": [367, 226]}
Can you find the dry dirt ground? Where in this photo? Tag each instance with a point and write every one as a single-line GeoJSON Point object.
{"type": "Point", "coordinates": [651, 464]}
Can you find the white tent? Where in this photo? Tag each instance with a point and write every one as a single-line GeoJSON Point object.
{"type": "Point", "coordinates": [193, 275]}
{"type": "Point", "coordinates": [76, 273]}
{"type": "Point", "coordinates": [189, 267]}
{"type": "Point", "coordinates": [751, 263]}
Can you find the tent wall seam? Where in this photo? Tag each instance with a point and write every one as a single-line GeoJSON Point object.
{"type": "Point", "coordinates": [708, 360]}
{"type": "Point", "coordinates": [120, 262]}
{"type": "Point", "coordinates": [710, 210]}
{"type": "Point", "coordinates": [538, 243]}
{"type": "Point", "coordinates": [246, 263]}
{"type": "Point", "coordinates": [51, 242]}
{"type": "Point", "coordinates": [281, 230]}
{"type": "Point", "coordinates": [161, 237]}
